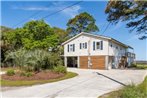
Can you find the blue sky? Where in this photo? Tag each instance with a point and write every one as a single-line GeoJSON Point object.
{"type": "Point", "coordinates": [12, 12]}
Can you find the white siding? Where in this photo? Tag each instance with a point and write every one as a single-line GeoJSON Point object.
{"type": "Point", "coordinates": [117, 51]}
{"type": "Point", "coordinates": [84, 52]}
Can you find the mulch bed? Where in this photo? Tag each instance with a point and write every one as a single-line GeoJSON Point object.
{"type": "Point", "coordinates": [36, 76]}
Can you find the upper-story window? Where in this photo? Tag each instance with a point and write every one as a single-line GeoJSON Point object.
{"type": "Point", "coordinates": [98, 45]}
{"type": "Point", "coordinates": [83, 45]}
{"type": "Point", "coordinates": [71, 47]}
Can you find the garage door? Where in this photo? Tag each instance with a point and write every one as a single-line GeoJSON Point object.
{"type": "Point", "coordinates": [98, 62]}
{"type": "Point", "coordinates": [84, 62]}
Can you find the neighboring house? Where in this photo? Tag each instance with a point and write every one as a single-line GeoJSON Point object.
{"type": "Point", "coordinates": [97, 52]}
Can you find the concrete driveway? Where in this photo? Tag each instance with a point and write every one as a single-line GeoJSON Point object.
{"type": "Point", "coordinates": [87, 84]}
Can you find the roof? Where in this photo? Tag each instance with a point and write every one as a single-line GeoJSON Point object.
{"type": "Point", "coordinates": [98, 36]}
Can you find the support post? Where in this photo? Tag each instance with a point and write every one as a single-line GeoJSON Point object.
{"type": "Point", "coordinates": [106, 62]}
{"type": "Point", "coordinates": [78, 62]}
{"type": "Point", "coordinates": [65, 61]}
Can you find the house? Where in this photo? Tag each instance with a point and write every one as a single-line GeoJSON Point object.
{"type": "Point", "coordinates": [96, 52]}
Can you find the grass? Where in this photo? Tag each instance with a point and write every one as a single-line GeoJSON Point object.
{"type": "Point", "coordinates": [139, 66]}
{"type": "Point", "coordinates": [33, 82]}
{"type": "Point", "coordinates": [130, 91]}
{"type": "Point", "coordinates": [8, 68]}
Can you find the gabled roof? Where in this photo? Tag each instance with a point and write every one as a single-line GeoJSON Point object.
{"type": "Point", "coordinates": [97, 36]}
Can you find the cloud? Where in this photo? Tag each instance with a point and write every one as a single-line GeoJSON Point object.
{"type": "Point", "coordinates": [72, 12]}
{"type": "Point", "coordinates": [56, 6]}
{"type": "Point", "coordinates": [31, 8]}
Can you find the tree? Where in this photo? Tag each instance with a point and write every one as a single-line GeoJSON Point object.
{"type": "Point", "coordinates": [34, 34]}
{"type": "Point", "coordinates": [3, 43]}
{"type": "Point", "coordinates": [61, 33]}
{"type": "Point", "coordinates": [83, 22]}
{"type": "Point", "coordinates": [133, 12]}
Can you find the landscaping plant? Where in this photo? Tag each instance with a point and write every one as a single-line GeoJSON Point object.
{"type": "Point", "coordinates": [60, 69]}
{"type": "Point", "coordinates": [10, 72]}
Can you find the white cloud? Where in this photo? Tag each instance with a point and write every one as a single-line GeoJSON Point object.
{"type": "Point", "coordinates": [72, 12]}
{"type": "Point", "coordinates": [31, 8]}
{"type": "Point", "coordinates": [56, 6]}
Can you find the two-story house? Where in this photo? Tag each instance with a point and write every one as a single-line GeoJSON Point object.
{"type": "Point", "coordinates": [94, 51]}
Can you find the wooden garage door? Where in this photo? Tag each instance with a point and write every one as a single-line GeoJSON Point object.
{"type": "Point", "coordinates": [98, 62]}
{"type": "Point", "coordinates": [84, 62]}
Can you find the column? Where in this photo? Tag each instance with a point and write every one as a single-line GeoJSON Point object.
{"type": "Point", "coordinates": [106, 62]}
{"type": "Point", "coordinates": [78, 61]}
{"type": "Point", "coordinates": [65, 61]}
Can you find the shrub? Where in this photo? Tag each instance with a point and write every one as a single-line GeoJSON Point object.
{"type": "Point", "coordinates": [27, 74]}
{"type": "Point", "coordinates": [34, 60]}
{"type": "Point", "coordinates": [60, 69]}
{"type": "Point", "coordinates": [22, 74]}
{"type": "Point", "coordinates": [10, 72]}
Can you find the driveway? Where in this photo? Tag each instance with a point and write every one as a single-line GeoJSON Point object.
{"type": "Point", "coordinates": [89, 83]}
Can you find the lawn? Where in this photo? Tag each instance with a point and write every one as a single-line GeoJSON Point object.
{"type": "Point", "coordinates": [141, 66]}
{"type": "Point", "coordinates": [33, 82]}
{"type": "Point", "coordinates": [130, 91]}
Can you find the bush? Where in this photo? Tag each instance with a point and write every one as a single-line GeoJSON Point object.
{"type": "Point", "coordinates": [10, 72]}
{"type": "Point", "coordinates": [60, 69]}
{"type": "Point", "coordinates": [22, 74]}
{"type": "Point", "coordinates": [133, 91]}
{"type": "Point", "coordinates": [27, 74]}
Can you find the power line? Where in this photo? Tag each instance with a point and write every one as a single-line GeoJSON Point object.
{"type": "Point", "coordinates": [29, 17]}
{"type": "Point", "coordinates": [62, 9]}
{"type": "Point", "coordinates": [105, 28]}
{"type": "Point", "coordinates": [48, 14]}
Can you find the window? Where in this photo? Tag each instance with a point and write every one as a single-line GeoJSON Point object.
{"type": "Point", "coordinates": [116, 47]}
{"type": "Point", "coordinates": [71, 48]}
{"type": "Point", "coordinates": [111, 45]}
{"type": "Point", "coordinates": [98, 45]}
{"type": "Point", "coordinates": [83, 45]}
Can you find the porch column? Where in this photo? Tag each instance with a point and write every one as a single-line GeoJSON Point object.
{"type": "Point", "coordinates": [106, 62]}
{"type": "Point", "coordinates": [78, 62]}
{"type": "Point", "coordinates": [65, 61]}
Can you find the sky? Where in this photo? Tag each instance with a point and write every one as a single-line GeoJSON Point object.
{"type": "Point", "coordinates": [14, 12]}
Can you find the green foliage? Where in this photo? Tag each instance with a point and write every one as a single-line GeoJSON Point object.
{"type": "Point", "coordinates": [10, 72]}
{"type": "Point", "coordinates": [36, 34]}
{"type": "Point", "coordinates": [34, 60]}
{"type": "Point", "coordinates": [27, 74]}
{"type": "Point", "coordinates": [133, 12]}
{"type": "Point", "coordinates": [83, 22]}
{"type": "Point", "coordinates": [60, 69]}
{"type": "Point", "coordinates": [130, 91]}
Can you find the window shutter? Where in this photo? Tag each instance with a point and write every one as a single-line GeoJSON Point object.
{"type": "Point", "coordinates": [101, 45]}
{"type": "Point", "coordinates": [73, 47]}
{"type": "Point", "coordinates": [85, 45]}
{"type": "Point", "coordinates": [80, 45]}
{"type": "Point", "coordinates": [68, 48]}
{"type": "Point", "coordinates": [94, 45]}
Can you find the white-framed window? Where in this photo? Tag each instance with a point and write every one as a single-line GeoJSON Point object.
{"type": "Point", "coordinates": [83, 45]}
{"type": "Point", "coordinates": [71, 47]}
{"type": "Point", "coordinates": [97, 45]}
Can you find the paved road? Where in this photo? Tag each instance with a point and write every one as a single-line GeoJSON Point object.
{"type": "Point", "coordinates": [87, 84]}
